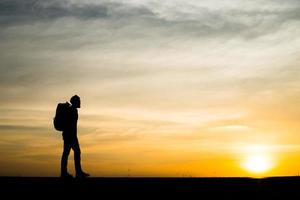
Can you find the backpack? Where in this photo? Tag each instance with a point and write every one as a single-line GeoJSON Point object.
{"type": "Point", "coordinates": [61, 116]}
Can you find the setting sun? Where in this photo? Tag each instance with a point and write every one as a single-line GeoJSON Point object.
{"type": "Point", "coordinates": [257, 164]}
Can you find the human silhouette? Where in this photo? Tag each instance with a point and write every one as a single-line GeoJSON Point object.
{"type": "Point", "coordinates": [71, 141]}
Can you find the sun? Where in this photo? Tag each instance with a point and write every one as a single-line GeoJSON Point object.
{"type": "Point", "coordinates": [257, 163]}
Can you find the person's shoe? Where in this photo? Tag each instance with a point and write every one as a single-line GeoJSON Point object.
{"type": "Point", "coordinates": [82, 175]}
{"type": "Point", "coordinates": [66, 175]}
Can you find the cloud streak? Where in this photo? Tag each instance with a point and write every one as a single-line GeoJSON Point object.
{"type": "Point", "coordinates": [194, 18]}
{"type": "Point", "coordinates": [18, 12]}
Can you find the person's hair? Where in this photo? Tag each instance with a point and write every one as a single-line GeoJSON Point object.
{"type": "Point", "coordinates": [74, 99]}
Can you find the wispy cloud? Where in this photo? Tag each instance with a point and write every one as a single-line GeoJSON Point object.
{"type": "Point", "coordinates": [193, 18]}
{"type": "Point", "coordinates": [29, 11]}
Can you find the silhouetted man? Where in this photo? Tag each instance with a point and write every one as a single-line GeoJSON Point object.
{"type": "Point", "coordinates": [71, 141]}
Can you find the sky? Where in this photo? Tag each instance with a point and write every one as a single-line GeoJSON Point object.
{"type": "Point", "coordinates": [168, 88]}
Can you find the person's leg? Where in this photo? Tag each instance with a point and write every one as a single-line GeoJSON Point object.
{"type": "Point", "coordinates": [64, 158]}
{"type": "Point", "coordinates": [77, 156]}
{"type": "Point", "coordinates": [77, 160]}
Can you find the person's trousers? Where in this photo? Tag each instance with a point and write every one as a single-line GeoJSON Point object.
{"type": "Point", "coordinates": [68, 145]}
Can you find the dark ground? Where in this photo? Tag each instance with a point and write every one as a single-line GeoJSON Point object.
{"type": "Point", "coordinates": [152, 188]}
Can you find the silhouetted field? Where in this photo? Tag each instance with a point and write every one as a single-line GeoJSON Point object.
{"type": "Point", "coordinates": [145, 188]}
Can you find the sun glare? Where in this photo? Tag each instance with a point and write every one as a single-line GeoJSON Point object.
{"type": "Point", "coordinates": [257, 163]}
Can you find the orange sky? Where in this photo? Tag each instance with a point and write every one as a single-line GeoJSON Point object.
{"type": "Point", "coordinates": [207, 88]}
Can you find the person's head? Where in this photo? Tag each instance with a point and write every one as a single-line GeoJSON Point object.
{"type": "Point", "coordinates": [75, 101]}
